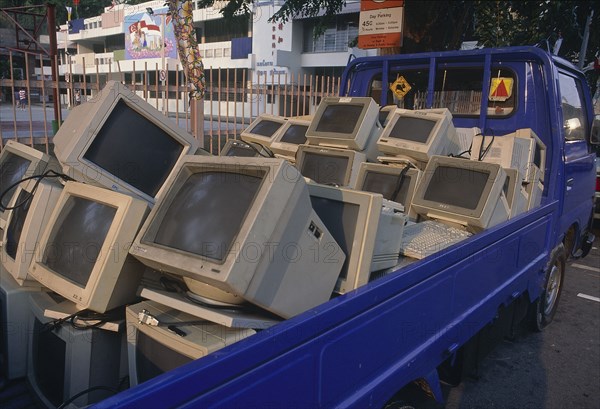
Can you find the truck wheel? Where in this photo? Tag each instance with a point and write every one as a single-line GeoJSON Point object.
{"type": "Point", "coordinates": [544, 308]}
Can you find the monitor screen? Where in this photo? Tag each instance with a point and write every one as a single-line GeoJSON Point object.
{"type": "Point", "coordinates": [341, 220]}
{"type": "Point", "coordinates": [325, 169]}
{"type": "Point", "coordinates": [207, 212]}
{"type": "Point", "coordinates": [15, 227]}
{"type": "Point", "coordinates": [387, 184]}
{"type": "Point", "coordinates": [12, 170]}
{"type": "Point", "coordinates": [152, 358]}
{"type": "Point", "coordinates": [295, 134]}
{"type": "Point", "coordinates": [265, 128]}
{"type": "Point", "coordinates": [134, 149]}
{"type": "Point", "coordinates": [443, 185]}
{"type": "Point", "coordinates": [76, 239]}
{"type": "Point", "coordinates": [339, 118]}
{"type": "Point", "coordinates": [241, 150]}
{"type": "Point", "coordinates": [412, 129]}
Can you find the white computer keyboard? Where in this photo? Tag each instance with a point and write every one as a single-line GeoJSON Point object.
{"type": "Point", "coordinates": [422, 239]}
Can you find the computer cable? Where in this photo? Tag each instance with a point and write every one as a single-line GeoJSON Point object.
{"type": "Point", "coordinates": [482, 151]}
{"type": "Point", "coordinates": [269, 152]}
{"type": "Point", "coordinates": [48, 174]}
{"type": "Point", "coordinates": [85, 392]}
{"type": "Point", "coordinates": [400, 181]}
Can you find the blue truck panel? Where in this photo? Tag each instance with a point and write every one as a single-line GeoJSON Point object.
{"type": "Point", "coordinates": [360, 348]}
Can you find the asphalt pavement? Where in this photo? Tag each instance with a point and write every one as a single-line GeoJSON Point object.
{"type": "Point", "coordinates": [557, 368]}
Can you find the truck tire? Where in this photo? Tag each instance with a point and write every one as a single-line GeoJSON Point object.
{"type": "Point", "coordinates": [543, 309]}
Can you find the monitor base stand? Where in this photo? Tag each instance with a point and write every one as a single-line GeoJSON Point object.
{"type": "Point", "coordinates": [232, 318]}
{"type": "Point", "coordinates": [208, 302]}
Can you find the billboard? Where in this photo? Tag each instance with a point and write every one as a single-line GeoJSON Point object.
{"type": "Point", "coordinates": [144, 37]}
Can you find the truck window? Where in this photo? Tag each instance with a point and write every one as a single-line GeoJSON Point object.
{"type": "Point", "coordinates": [459, 90]}
{"type": "Point", "coordinates": [574, 121]}
{"type": "Point", "coordinates": [415, 98]}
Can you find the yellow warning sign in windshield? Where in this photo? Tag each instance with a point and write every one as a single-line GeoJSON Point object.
{"type": "Point", "coordinates": [501, 89]}
{"type": "Point", "coordinates": [400, 87]}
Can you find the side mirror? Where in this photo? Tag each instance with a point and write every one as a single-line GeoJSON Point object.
{"type": "Point", "coordinates": [595, 134]}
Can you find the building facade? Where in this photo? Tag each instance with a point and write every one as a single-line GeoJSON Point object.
{"type": "Point", "coordinates": [136, 44]}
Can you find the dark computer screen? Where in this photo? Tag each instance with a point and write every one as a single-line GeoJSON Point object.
{"type": "Point", "coordinates": [153, 358]}
{"type": "Point", "coordinates": [457, 186]}
{"type": "Point", "coordinates": [14, 229]}
{"type": "Point", "coordinates": [49, 354]}
{"type": "Point", "coordinates": [340, 219]}
{"type": "Point", "coordinates": [11, 171]}
{"type": "Point", "coordinates": [387, 184]}
{"type": "Point", "coordinates": [241, 150]}
{"type": "Point", "coordinates": [207, 212]}
{"type": "Point", "coordinates": [266, 128]}
{"type": "Point", "coordinates": [295, 134]}
{"type": "Point", "coordinates": [339, 118]}
{"type": "Point", "coordinates": [325, 169]}
{"type": "Point", "coordinates": [134, 149]}
{"type": "Point", "coordinates": [412, 129]}
{"type": "Point", "coordinates": [383, 116]}
{"type": "Point", "coordinates": [77, 237]}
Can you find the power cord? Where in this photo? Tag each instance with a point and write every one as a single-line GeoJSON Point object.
{"type": "Point", "coordinates": [85, 392]}
{"type": "Point", "coordinates": [400, 181]}
{"type": "Point", "coordinates": [48, 174]}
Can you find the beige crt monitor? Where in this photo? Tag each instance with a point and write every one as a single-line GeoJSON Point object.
{"type": "Point", "coordinates": [83, 252]}
{"type": "Point", "coordinates": [417, 134]}
{"type": "Point", "coordinates": [243, 227]}
{"type": "Point", "coordinates": [289, 137]}
{"type": "Point", "coordinates": [329, 166]}
{"type": "Point", "coordinates": [155, 349]}
{"type": "Point", "coordinates": [462, 192]}
{"type": "Point", "coordinates": [33, 204]}
{"type": "Point", "coordinates": [508, 151]}
{"type": "Point", "coordinates": [515, 194]}
{"type": "Point", "coordinates": [263, 129]}
{"type": "Point", "coordinates": [346, 123]}
{"type": "Point", "coordinates": [385, 113]}
{"type": "Point", "coordinates": [394, 182]}
{"type": "Point", "coordinates": [368, 232]}
{"type": "Point", "coordinates": [17, 161]}
{"type": "Point", "coordinates": [539, 156]}
{"type": "Point", "coordinates": [120, 142]}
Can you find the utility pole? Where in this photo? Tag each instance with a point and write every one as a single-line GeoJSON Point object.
{"type": "Point", "coordinates": [584, 41]}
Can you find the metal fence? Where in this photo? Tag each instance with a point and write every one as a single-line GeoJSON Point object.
{"type": "Point", "coordinates": [231, 102]}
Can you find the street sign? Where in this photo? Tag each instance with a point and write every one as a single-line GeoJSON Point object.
{"type": "Point", "coordinates": [163, 75]}
{"type": "Point", "coordinates": [380, 23]}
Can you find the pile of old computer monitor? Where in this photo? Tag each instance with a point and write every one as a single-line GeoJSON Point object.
{"type": "Point", "coordinates": [206, 250]}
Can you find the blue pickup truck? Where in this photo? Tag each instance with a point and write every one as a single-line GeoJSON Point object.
{"type": "Point", "coordinates": [416, 323]}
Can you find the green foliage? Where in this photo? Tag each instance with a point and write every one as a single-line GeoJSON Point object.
{"type": "Point", "coordinates": [502, 23]}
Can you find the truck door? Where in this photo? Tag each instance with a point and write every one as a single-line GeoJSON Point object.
{"type": "Point", "coordinates": [578, 157]}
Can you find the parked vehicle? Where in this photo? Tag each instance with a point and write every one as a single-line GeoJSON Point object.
{"type": "Point", "coordinates": [418, 323]}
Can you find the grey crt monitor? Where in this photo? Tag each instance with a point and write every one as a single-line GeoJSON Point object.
{"type": "Point", "coordinates": [417, 134]}
{"type": "Point", "coordinates": [346, 123]}
{"type": "Point", "coordinates": [33, 205]}
{"type": "Point", "coordinates": [394, 182]}
{"type": "Point", "coordinates": [289, 137]}
{"type": "Point", "coordinates": [463, 192]}
{"type": "Point", "coordinates": [83, 252]}
{"type": "Point", "coordinates": [263, 129]}
{"type": "Point", "coordinates": [245, 227]}
{"type": "Point", "coordinates": [120, 142]}
{"type": "Point", "coordinates": [17, 161]}
{"type": "Point", "coordinates": [329, 166]}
